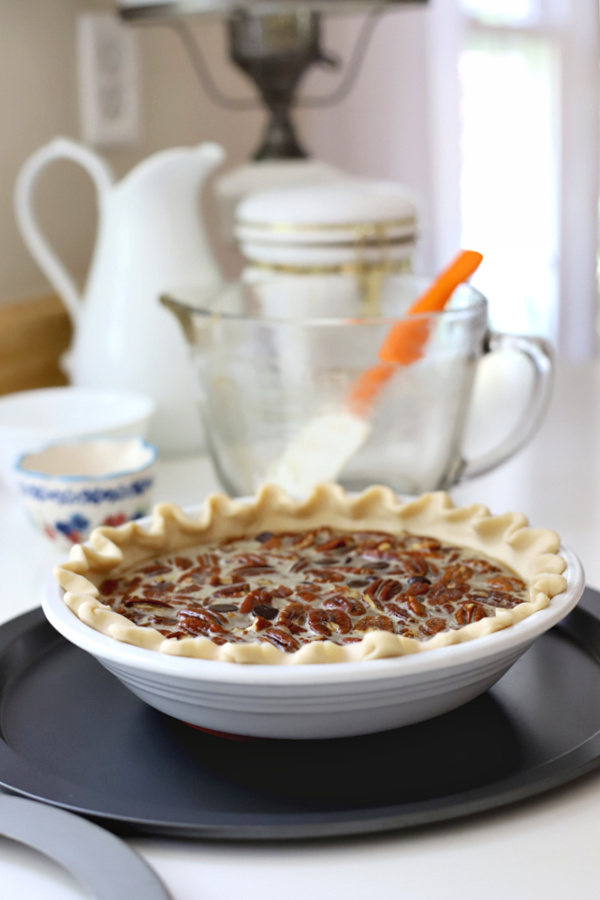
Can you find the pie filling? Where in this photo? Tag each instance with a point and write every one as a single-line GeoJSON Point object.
{"type": "Point", "coordinates": [294, 588]}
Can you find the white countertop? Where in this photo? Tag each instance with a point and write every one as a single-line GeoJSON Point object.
{"type": "Point", "coordinates": [546, 846]}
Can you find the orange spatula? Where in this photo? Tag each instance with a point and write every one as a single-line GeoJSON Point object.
{"type": "Point", "coordinates": [406, 340]}
{"type": "Point", "coordinates": [324, 446]}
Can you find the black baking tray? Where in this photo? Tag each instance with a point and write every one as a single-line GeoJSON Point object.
{"type": "Point", "coordinates": [71, 735]}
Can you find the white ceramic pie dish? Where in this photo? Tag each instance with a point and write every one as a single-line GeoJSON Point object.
{"type": "Point", "coordinates": [321, 700]}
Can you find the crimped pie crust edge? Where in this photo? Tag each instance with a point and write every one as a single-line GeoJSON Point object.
{"type": "Point", "coordinates": [530, 552]}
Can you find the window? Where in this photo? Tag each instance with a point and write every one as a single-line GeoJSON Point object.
{"type": "Point", "coordinates": [510, 174]}
{"type": "Point", "coordinates": [528, 73]}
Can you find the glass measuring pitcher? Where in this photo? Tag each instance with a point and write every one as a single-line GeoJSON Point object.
{"type": "Point", "coordinates": [277, 364]}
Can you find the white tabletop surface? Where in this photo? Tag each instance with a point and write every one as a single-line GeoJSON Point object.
{"type": "Point", "coordinates": [546, 847]}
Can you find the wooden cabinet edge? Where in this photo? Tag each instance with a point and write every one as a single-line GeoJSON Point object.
{"type": "Point", "coordinates": [33, 336]}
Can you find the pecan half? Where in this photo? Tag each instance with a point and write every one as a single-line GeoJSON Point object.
{"type": "Point", "coordinates": [232, 590]}
{"type": "Point", "coordinates": [433, 625]}
{"type": "Point", "coordinates": [415, 564]}
{"type": "Point", "coordinates": [324, 621]}
{"type": "Point", "coordinates": [399, 612]}
{"type": "Point", "coordinates": [415, 606]}
{"type": "Point", "coordinates": [347, 604]}
{"type": "Point", "coordinates": [283, 640]}
{"type": "Point", "coordinates": [457, 576]}
{"type": "Point", "coordinates": [342, 540]}
{"type": "Point", "coordinates": [147, 601]}
{"type": "Point", "coordinates": [374, 623]}
{"type": "Point", "coordinates": [307, 595]}
{"type": "Point", "coordinates": [506, 582]}
{"type": "Point", "coordinates": [159, 590]}
{"type": "Point", "coordinates": [293, 613]}
{"type": "Point", "coordinates": [201, 620]}
{"type": "Point", "coordinates": [387, 589]}
{"type": "Point", "coordinates": [417, 585]}
{"type": "Point", "coordinates": [249, 571]}
{"type": "Point", "coordinates": [469, 611]}
{"type": "Point", "coordinates": [324, 575]}
{"type": "Point", "coordinates": [481, 565]}
{"type": "Point", "coordinates": [258, 595]}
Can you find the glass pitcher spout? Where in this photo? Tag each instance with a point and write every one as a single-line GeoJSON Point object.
{"type": "Point", "coordinates": [182, 314]}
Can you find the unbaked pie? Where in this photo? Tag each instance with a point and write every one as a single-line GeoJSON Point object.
{"type": "Point", "coordinates": [330, 579]}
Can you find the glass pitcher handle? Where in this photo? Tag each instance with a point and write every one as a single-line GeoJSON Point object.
{"type": "Point", "coordinates": [539, 353]}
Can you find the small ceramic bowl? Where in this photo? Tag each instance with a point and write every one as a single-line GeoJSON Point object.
{"type": "Point", "coordinates": [70, 488]}
{"type": "Point", "coordinates": [33, 419]}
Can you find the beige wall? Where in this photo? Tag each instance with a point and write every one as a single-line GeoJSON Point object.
{"type": "Point", "coordinates": [38, 101]}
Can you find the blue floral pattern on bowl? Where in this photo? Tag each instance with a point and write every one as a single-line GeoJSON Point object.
{"type": "Point", "coordinates": [95, 495]}
{"type": "Point", "coordinates": [67, 507]}
{"type": "Point", "coordinates": [77, 527]}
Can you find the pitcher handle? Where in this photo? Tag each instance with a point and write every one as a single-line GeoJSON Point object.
{"type": "Point", "coordinates": [60, 148]}
{"type": "Point", "coordinates": [539, 353]}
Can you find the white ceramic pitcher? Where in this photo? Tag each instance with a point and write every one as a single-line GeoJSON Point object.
{"type": "Point", "coordinates": [150, 238]}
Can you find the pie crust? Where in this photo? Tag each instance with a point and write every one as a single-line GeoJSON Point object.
{"type": "Point", "coordinates": [110, 552]}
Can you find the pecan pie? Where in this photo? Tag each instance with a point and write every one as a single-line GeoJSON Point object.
{"type": "Point", "coordinates": [332, 578]}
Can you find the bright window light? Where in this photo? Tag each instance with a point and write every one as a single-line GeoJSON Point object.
{"type": "Point", "coordinates": [510, 173]}
{"type": "Point", "coordinates": [512, 12]}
